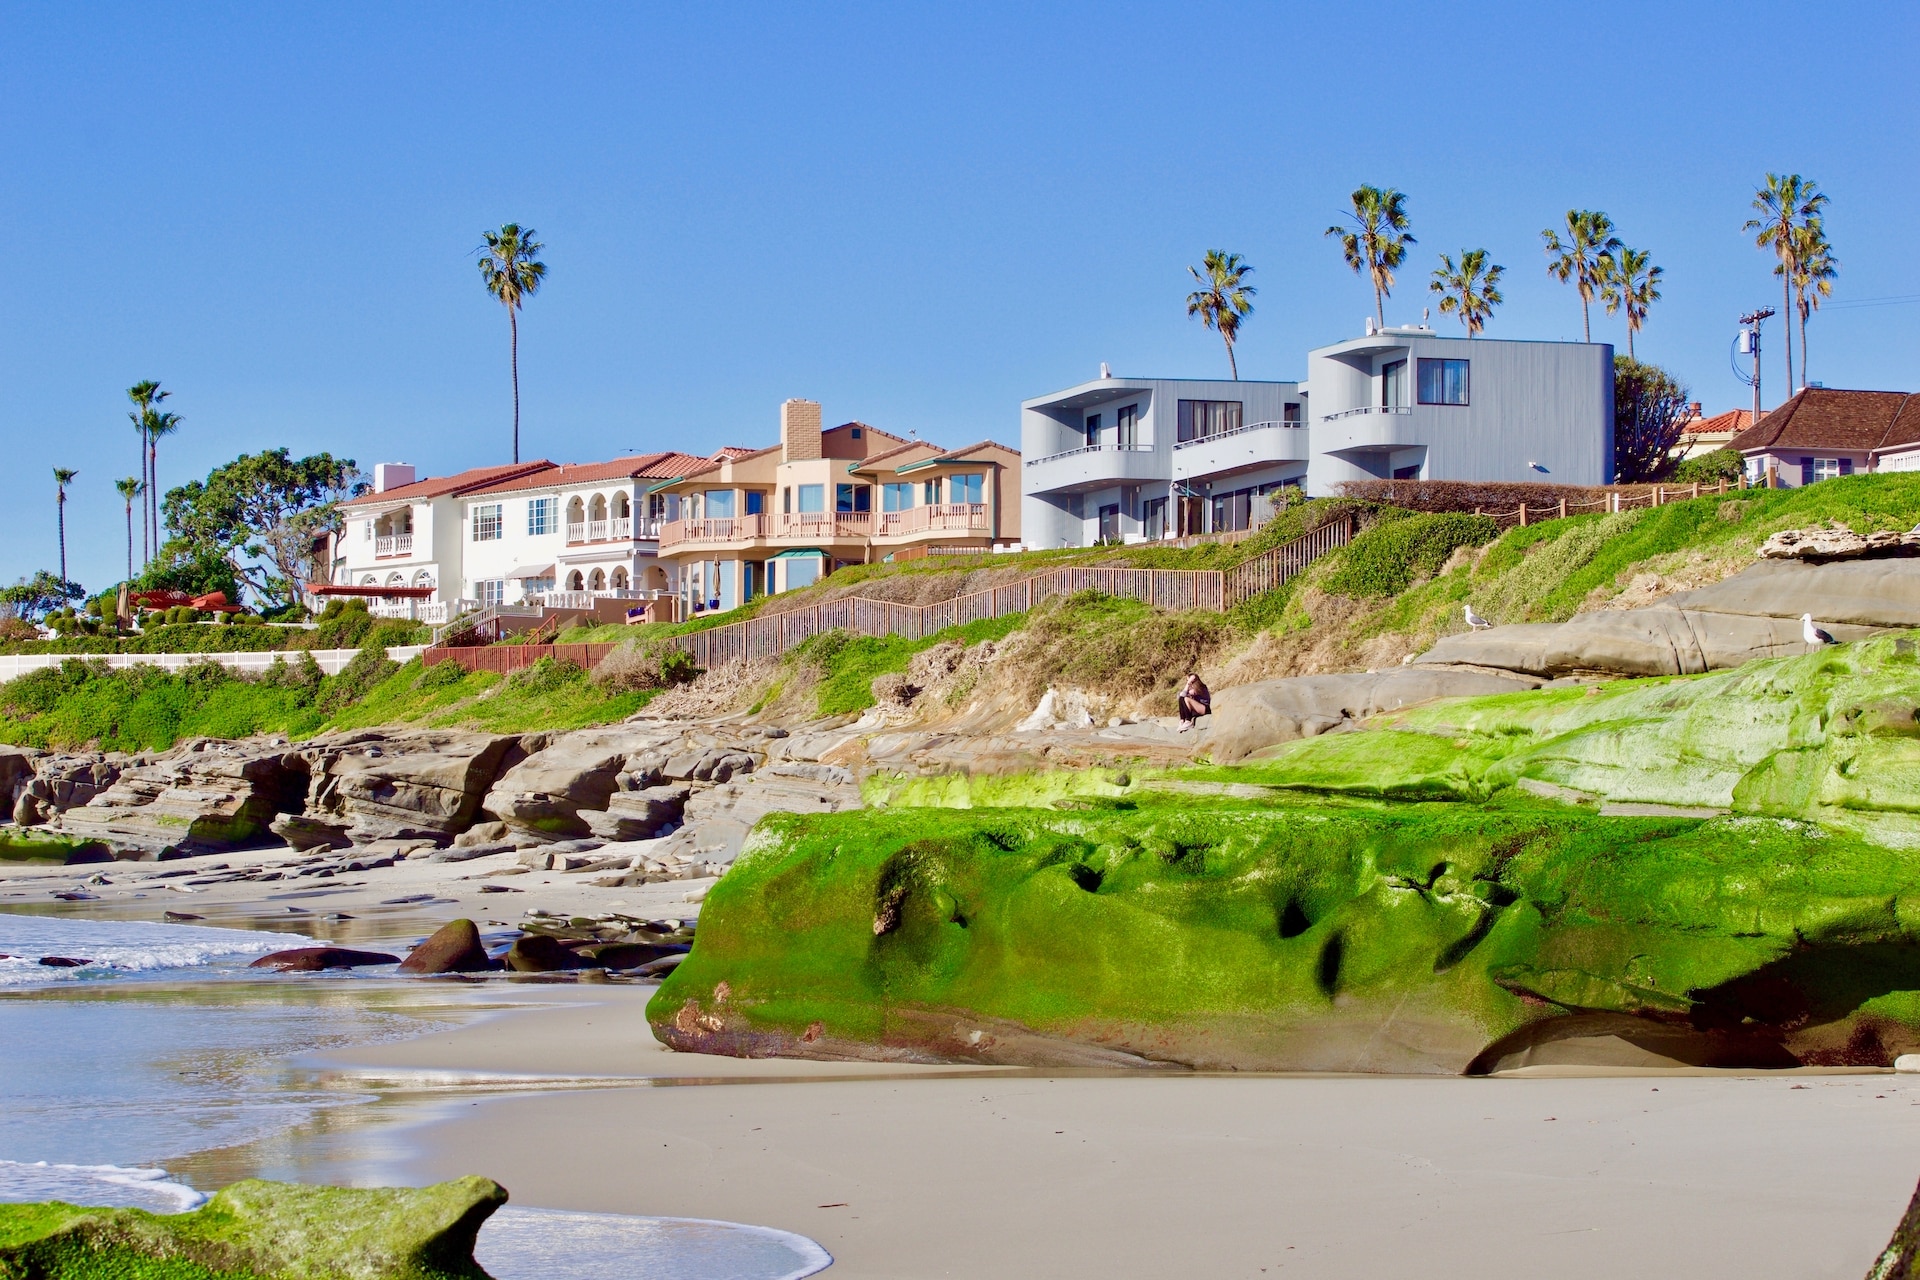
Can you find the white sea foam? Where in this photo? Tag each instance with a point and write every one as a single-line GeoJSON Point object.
{"type": "Point", "coordinates": [120, 947]}
{"type": "Point", "coordinates": [96, 1184]}
{"type": "Point", "coordinates": [541, 1244]}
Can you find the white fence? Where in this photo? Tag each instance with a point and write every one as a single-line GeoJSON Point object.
{"type": "Point", "coordinates": [331, 661]}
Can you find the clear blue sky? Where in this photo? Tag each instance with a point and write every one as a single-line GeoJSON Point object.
{"type": "Point", "coordinates": [915, 214]}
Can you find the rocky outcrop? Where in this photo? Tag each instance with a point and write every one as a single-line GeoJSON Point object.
{"type": "Point", "coordinates": [452, 948]}
{"type": "Point", "coordinates": [1247, 718]}
{"type": "Point", "coordinates": [269, 1230]}
{"type": "Point", "coordinates": [376, 784]}
{"type": "Point", "coordinates": [1754, 614]}
{"type": "Point", "coordinates": [601, 782]}
{"type": "Point", "coordinates": [204, 795]}
{"type": "Point", "coordinates": [315, 959]}
{"type": "Point", "coordinates": [1837, 543]}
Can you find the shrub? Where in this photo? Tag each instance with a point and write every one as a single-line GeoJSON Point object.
{"type": "Point", "coordinates": [369, 667]}
{"type": "Point", "coordinates": [302, 674]}
{"type": "Point", "coordinates": [548, 675]}
{"type": "Point", "coordinates": [440, 675]}
{"type": "Point", "coordinates": [1388, 558]}
{"type": "Point", "coordinates": [1710, 468]}
{"type": "Point", "coordinates": [638, 666]}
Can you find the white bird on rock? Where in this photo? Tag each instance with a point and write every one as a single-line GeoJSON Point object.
{"type": "Point", "coordinates": [1474, 620]}
{"type": "Point", "coordinates": [1814, 635]}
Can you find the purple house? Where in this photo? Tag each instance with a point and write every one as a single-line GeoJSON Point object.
{"type": "Point", "coordinates": [1822, 433]}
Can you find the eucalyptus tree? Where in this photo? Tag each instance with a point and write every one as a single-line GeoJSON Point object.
{"type": "Point", "coordinates": [62, 477]}
{"type": "Point", "coordinates": [512, 271]}
{"type": "Point", "coordinates": [1786, 203]}
{"type": "Point", "coordinates": [1225, 298]}
{"type": "Point", "coordinates": [1376, 240]}
{"type": "Point", "coordinates": [1814, 269]}
{"type": "Point", "coordinates": [1583, 258]}
{"type": "Point", "coordinates": [145, 396]}
{"type": "Point", "coordinates": [130, 488]}
{"type": "Point", "coordinates": [1469, 288]}
{"type": "Point", "coordinates": [1632, 285]}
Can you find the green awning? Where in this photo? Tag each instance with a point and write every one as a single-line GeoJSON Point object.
{"type": "Point", "coordinates": [799, 555]}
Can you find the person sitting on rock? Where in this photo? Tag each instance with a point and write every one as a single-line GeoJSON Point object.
{"type": "Point", "coordinates": [1196, 700]}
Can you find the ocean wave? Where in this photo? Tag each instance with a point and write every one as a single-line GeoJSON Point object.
{"type": "Point", "coordinates": [119, 947]}
{"type": "Point", "coordinates": [100, 1185]}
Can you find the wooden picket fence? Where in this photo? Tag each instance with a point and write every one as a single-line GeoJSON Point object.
{"type": "Point", "coordinates": [772, 634]}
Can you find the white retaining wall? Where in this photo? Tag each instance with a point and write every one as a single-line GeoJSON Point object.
{"type": "Point", "coordinates": [331, 660]}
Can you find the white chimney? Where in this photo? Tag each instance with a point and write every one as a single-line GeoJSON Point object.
{"type": "Point", "coordinates": [1369, 326]}
{"type": "Point", "coordinates": [391, 475]}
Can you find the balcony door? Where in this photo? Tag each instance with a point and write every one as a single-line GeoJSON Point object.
{"type": "Point", "coordinates": [1110, 523]}
{"type": "Point", "coordinates": [1393, 384]}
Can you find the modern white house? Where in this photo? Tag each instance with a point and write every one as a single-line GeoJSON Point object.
{"type": "Point", "coordinates": [1124, 459]}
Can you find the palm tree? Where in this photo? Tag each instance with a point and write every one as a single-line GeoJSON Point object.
{"type": "Point", "coordinates": [1226, 299]}
{"type": "Point", "coordinates": [1785, 205]}
{"type": "Point", "coordinates": [1814, 269]}
{"type": "Point", "coordinates": [1377, 242]}
{"type": "Point", "coordinates": [145, 395]}
{"type": "Point", "coordinates": [1584, 257]}
{"type": "Point", "coordinates": [512, 274]}
{"type": "Point", "coordinates": [1632, 284]}
{"type": "Point", "coordinates": [62, 477]}
{"type": "Point", "coordinates": [160, 424]}
{"type": "Point", "coordinates": [1470, 288]}
{"type": "Point", "coordinates": [131, 488]}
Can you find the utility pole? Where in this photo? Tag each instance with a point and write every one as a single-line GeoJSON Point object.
{"type": "Point", "coordinates": [1750, 346]}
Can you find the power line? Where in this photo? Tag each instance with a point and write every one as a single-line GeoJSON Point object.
{"type": "Point", "coordinates": [1892, 300]}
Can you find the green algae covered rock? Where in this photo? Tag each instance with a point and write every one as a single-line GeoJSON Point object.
{"type": "Point", "coordinates": [259, 1231]}
{"type": "Point", "coordinates": [1218, 932]}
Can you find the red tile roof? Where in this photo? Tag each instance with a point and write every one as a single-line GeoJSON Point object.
{"type": "Point", "coordinates": [649, 465]}
{"type": "Point", "coordinates": [459, 482]}
{"type": "Point", "coordinates": [1823, 418]}
{"type": "Point", "coordinates": [1735, 420]}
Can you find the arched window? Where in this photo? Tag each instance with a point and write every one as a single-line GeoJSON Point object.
{"type": "Point", "coordinates": [598, 509]}
{"type": "Point", "coordinates": [574, 583]}
{"type": "Point", "coordinates": [369, 581]}
{"type": "Point", "coordinates": [424, 578]}
{"type": "Point", "coordinates": [576, 511]}
{"type": "Point", "coordinates": [620, 579]}
{"type": "Point", "coordinates": [656, 578]}
{"type": "Point", "coordinates": [598, 582]}
{"type": "Point", "coordinates": [621, 507]}
{"type": "Point", "coordinates": [396, 579]}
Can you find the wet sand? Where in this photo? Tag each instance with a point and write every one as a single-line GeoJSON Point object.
{"type": "Point", "coordinates": [935, 1172]}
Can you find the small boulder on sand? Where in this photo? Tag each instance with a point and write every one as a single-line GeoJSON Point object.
{"type": "Point", "coordinates": [314, 959]}
{"type": "Point", "coordinates": [453, 948]}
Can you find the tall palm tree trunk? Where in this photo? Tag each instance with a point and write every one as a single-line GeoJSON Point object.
{"type": "Point", "coordinates": [1379, 309]}
{"type": "Point", "coordinates": [1231, 364]}
{"type": "Point", "coordinates": [1786, 306]}
{"type": "Point", "coordinates": [129, 539]}
{"type": "Point", "coordinates": [1586, 321]}
{"type": "Point", "coordinates": [60, 505]}
{"type": "Point", "coordinates": [146, 552]}
{"type": "Point", "coordinates": [153, 491]}
{"type": "Point", "coordinates": [513, 330]}
{"type": "Point", "coordinates": [1803, 336]}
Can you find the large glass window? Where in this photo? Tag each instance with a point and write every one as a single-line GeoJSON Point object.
{"type": "Point", "coordinates": [1290, 414]}
{"type": "Point", "coordinates": [896, 497]}
{"type": "Point", "coordinates": [719, 504]}
{"type": "Point", "coordinates": [1444, 382]}
{"type": "Point", "coordinates": [490, 590]}
{"type": "Point", "coordinates": [966, 488]}
{"type": "Point", "coordinates": [1093, 429]}
{"type": "Point", "coordinates": [801, 571]}
{"type": "Point", "coordinates": [852, 499]}
{"type": "Point", "coordinates": [1393, 383]}
{"type": "Point", "coordinates": [486, 522]}
{"type": "Point", "coordinates": [542, 516]}
{"type": "Point", "coordinates": [1128, 426]}
{"type": "Point", "coordinates": [756, 502]}
{"type": "Point", "coordinates": [1199, 419]}
{"type": "Point", "coordinates": [813, 499]}
{"type": "Point", "coordinates": [930, 491]}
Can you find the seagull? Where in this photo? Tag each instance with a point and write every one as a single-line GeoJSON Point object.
{"type": "Point", "coordinates": [1474, 620]}
{"type": "Point", "coordinates": [1814, 635]}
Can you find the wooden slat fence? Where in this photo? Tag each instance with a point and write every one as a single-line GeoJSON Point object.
{"type": "Point", "coordinates": [772, 634]}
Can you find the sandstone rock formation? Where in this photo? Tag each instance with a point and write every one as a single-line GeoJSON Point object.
{"type": "Point", "coordinates": [1754, 614]}
{"type": "Point", "coordinates": [1249, 717]}
{"type": "Point", "coordinates": [382, 783]}
{"type": "Point", "coordinates": [205, 795]}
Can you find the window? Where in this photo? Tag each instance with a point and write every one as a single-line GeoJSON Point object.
{"type": "Point", "coordinates": [369, 534]}
{"type": "Point", "coordinates": [1153, 521]}
{"type": "Point", "coordinates": [813, 499]}
{"type": "Point", "coordinates": [896, 497]}
{"type": "Point", "coordinates": [786, 500]}
{"type": "Point", "coordinates": [1407, 473]}
{"type": "Point", "coordinates": [490, 590]}
{"type": "Point", "coordinates": [1127, 427]}
{"type": "Point", "coordinates": [1290, 414]}
{"type": "Point", "coordinates": [852, 499]}
{"type": "Point", "coordinates": [530, 587]}
{"type": "Point", "coordinates": [1199, 419]}
{"type": "Point", "coordinates": [967, 488]}
{"type": "Point", "coordinates": [1814, 469]}
{"type": "Point", "coordinates": [543, 516]}
{"type": "Point", "coordinates": [1110, 523]}
{"type": "Point", "coordinates": [486, 522]}
{"type": "Point", "coordinates": [1093, 429]}
{"type": "Point", "coordinates": [1393, 384]}
{"type": "Point", "coordinates": [1443, 382]}
{"type": "Point", "coordinates": [756, 502]}
{"type": "Point", "coordinates": [801, 571]}
{"type": "Point", "coordinates": [719, 504]}
{"type": "Point", "coordinates": [856, 433]}
{"type": "Point", "coordinates": [930, 492]}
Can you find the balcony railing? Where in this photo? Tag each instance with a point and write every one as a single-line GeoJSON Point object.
{"type": "Point", "coordinates": [1367, 408]}
{"type": "Point", "coordinates": [814, 525]}
{"type": "Point", "coordinates": [1237, 431]}
{"type": "Point", "coordinates": [393, 544]}
{"type": "Point", "coordinates": [811, 526]}
{"type": "Point", "coordinates": [616, 530]}
{"type": "Point", "coordinates": [940, 517]}
{"type": "Point", "coordinates": [585, 599]}
{"type": "Point", "coordinates": [724, 529]}
{"type": "Point", "coordinates": [1092, 448]}
{"type": "Point", "coordinates": [434, 611]}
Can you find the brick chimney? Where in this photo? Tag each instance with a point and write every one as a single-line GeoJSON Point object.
{"type": "Point", "coordinates": [799, 430]}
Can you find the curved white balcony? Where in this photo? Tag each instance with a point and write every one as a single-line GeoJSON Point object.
{"type": "Point", "coordinates": [1371, 428]}
{"type": "Point", "coordinates": [1094, 466]}
{"type": "Point", "coordinates": [1258, 444]}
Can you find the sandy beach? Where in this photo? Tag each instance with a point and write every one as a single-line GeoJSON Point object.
{"type": "Point", "coordinates": [960, 1173]}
